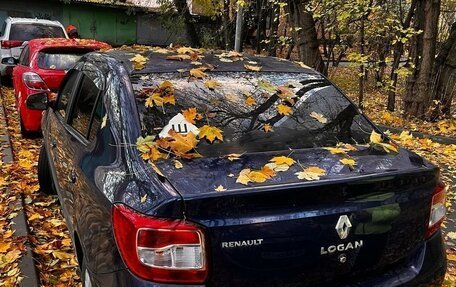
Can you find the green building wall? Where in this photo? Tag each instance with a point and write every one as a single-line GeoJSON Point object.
{"type": "Point", "coordinates": [110, 25]}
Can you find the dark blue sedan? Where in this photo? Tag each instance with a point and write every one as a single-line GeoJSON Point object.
{"type": "Point", "coordinates": [184, 167]}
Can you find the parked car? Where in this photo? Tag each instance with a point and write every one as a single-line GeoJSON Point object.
{"type": "Point", "coordinates": [17, 31]}
{"type": "Point", "coordinates": [167, 177]}
{"type": "Point", "coordinates": [41, 67]}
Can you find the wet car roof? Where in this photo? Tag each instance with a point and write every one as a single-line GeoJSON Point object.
{"type": "Point", "coordinates": [158, 63]}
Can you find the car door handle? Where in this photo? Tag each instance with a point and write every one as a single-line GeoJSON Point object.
{"type": "Point", "coordinates": [72, 176]}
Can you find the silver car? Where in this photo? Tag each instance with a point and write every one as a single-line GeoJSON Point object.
{"type": "Point", "coordinates": [17, 31]}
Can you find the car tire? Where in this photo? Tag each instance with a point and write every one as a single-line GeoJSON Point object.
{"type": "Point", "coordinates": [85, 275]}
{"type": "Point", "coordinates": [44, 173]}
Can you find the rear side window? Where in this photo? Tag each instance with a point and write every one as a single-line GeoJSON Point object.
{"type": "Point", "coordinates": [86, 100]}
{"type": "Point", "coordinates": [65, 93]}
{"type": "Point", "coordinates": [26, 32]}
{"type": "Point", "coordinates": [58, 60]}
{"type": "Point", "coordinates": [2, 32]}
{"type": "Point", "coordinates": [24, 58]}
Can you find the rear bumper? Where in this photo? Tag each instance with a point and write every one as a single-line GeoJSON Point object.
{"type": "Point", "coordinates": [426, 267]}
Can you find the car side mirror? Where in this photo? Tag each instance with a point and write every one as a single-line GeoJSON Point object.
{"type": "Point", "coordinates": [37, 101]}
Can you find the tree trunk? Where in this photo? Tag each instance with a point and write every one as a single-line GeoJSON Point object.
{"type": "Point", "coordinates": [398, 51]}
{"type": "Point", "coordinates": [362, 71]}
{"type": "Point", "coordinates": [182, 9]}
{"type": "Point", "coordinates": [226, 24]}
{"type": "Point", "coordinates": [306, 37]}
{"type": "Point", "coordinates": [444, 77]}
{"type": "Point", "coordinates": [273, 34]}
{"type": "Point", "coordinates": [419, 92]}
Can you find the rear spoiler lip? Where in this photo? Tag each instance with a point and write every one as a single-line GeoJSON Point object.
{"type": "Point", "coordinates": [275, 187]}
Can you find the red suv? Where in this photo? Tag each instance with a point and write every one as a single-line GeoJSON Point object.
{"type": "Point", "coordinates": [42, 65]}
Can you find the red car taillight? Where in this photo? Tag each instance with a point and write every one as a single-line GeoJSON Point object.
{"type": "Point", "coordinates": [438, 209]}
{"type": "Point", "coordinates": [34, 82]}
{"type": "Point", "coordinates": [8, 44]}
{"type": "Point", "coordinates": [160, 250]}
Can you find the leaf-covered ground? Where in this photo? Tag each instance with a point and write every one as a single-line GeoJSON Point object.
{"type": "Point", "coordinates": [52, 246]}
{"type": "Point", "coordinates": [375, 104]}
{"type": "Point", "coordinates": [50, 240]}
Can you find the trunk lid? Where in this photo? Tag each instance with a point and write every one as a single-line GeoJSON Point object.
{"type": "Point", "coordinates": [289, 232]}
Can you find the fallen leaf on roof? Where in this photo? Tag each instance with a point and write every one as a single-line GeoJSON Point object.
{"type": "Point", "coordinates": [284, 110]}
{"type": "Point", "coordinates": [144, 198]}
{"type": "Point", "coordinates": [220, 188]}
{"type": "Point", "coordinates": [178, 164]}
{"type": "Point", "coordinates": [178, 57]}
{"type": "Point", "coordinates": [376, 141]}
{"type": "Point", "coordinates": [232, 156]}
{"type": "Point", "coordinates": [139, 61]}
{"type": "Point", "coordinates": [336, 150]}
{"type": "Point", "coordinates": [253, 68]}
{"type": "Point", "coordinates": [319, 117]}
{"type": "Point", "coordinates": [283, 160]}
{"type": "Point", "coordinates": [348, 162]}
{"type": "Point", "coordinates": [156, 169]}
{"type": "Point", "coordinates": [211, 133]}
{"type": "Point", "coordinates": [181, 144]}
{"type": "Point", "coordinates": [311, 173]}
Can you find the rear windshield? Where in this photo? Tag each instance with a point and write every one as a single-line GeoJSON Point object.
{"type": "Point", "coordinates": [245, 107]}
{"type": "Point", "coordinates": [58, 60]}
{"type": "Point", "coordinates": [26, 32]}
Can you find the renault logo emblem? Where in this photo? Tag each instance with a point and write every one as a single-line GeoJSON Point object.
{"type": "Point", "coordinates": [343, 226]}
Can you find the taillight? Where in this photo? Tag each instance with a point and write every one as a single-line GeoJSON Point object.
{"type": "Point", "coordinates": [34, 82]}
{"type": "Point", "coordinates": [160, 250]}
{"type": "Point", "coordinates": [438, 209]}
{"type": "Point", "coordinates": [8, 44]}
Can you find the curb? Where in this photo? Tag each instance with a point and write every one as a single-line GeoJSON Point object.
{"type": "Point", "coordinates": [27, 264]}
{"type": "Point", "coordinates": [434, 138]}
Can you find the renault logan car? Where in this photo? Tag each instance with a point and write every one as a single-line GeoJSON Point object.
{"type": "Point", "coordinates": [41, 67]}
{"type": "Point", "coordinates": [202, 169]}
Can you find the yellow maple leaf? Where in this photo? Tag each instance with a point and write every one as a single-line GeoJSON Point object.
{"type": "Point", "coordinates": [279, 160]}
{"type": "Point", "coordinates": [181, 144]}
{"type": "Point", "coordinates": [169, 100]}
{"type": "Point", "coordinates": [311, 173]}
{"type": "Point", "coordinates": [258, 176]}
{"type": "Point", "coordinates": [198, 73]}
{"type": "Point", "coordinates": [250, 101]}
{"type": "Point", "coordinates": [319, 117]}
{"type": "Point", "coordinates": [220, 188]}
{"type": "Point", "coordinates": [190, 115]}
{"type": "Point", "coordinates": [62, 255]}
{"type": "Point", "coordinates": [210, 133]}
{"type": "Point", "coordinates": [377, 142]}
{"type": "Point", "coordinates": [348, 162]}
{"type": "Point", "coordinates": [284, 110]}
{"type": "Point", "coordinates": [4, 246]}
{"type": "Point", "coordinates": [139, 61]}
{"type": "Point", "coordinates": [336, 150]}
{"type": "Point", "coordinates": [253, 68]}
{"type": "Point", "coordinates": [267, 128]}
{"type": "Point", "coordinates": [144, 198]}
{"type": "Point", "coordinates": [243, 177]}
{"type": "Point", "coordinates": [178, 164]}
{"type": "Point", "coordinates": [154, 99]}
{"type": "Point", "coordinates": [212, 84]}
